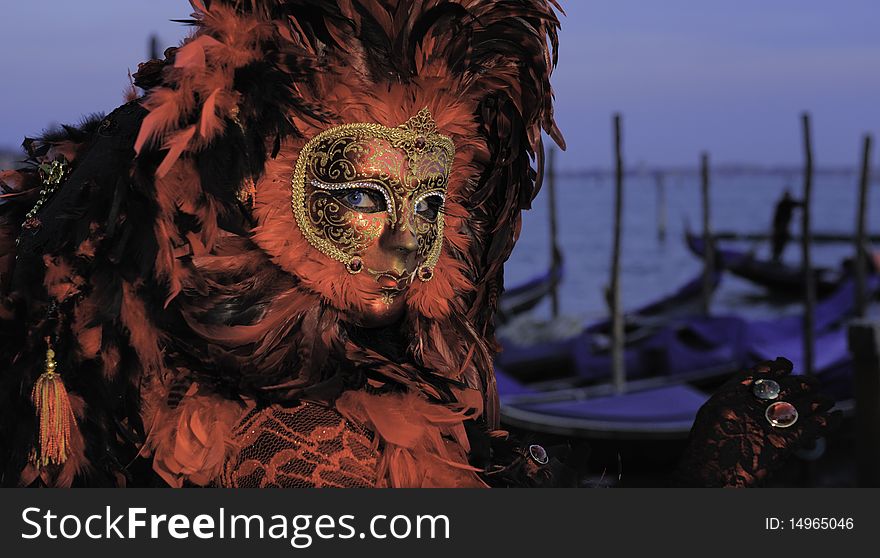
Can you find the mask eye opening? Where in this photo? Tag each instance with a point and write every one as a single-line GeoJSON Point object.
{"type": "Point", "coordinates": [430, 205]}
{"type": "Point", "coordinates": [365, 197]}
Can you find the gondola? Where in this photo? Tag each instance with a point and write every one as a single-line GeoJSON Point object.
{"type": "Point", "coordinates": [686, 301]}
{"type": "Point", "coordinates": [646, 413]}
{"type": "Point", "coordinates": [585, 355]}
{"type": "Point", "coordinates": [777, 277]}
{"type": "Point", "coordinates": [680, 345]}
{"type": "Point", "coordinates": [817, 237]}
{"type": "Point", "coordinates": [664, 407]}
{"type": "Point", "coordinates": [522, 298]}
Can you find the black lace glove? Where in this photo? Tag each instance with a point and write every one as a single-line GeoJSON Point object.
{"type": "Point", "coordinates": [732, 443]}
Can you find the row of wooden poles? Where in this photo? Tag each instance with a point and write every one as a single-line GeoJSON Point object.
{"type": "Point", "coordinates": [613, 295]}
{"type": "Point", "coordinates": [864, 336]}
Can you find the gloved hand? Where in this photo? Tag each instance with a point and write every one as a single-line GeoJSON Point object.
{"type": "Point", "coordinates": [734, 444]}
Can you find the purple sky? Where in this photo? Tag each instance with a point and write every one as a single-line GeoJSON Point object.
{"type": "Point", "coordinates": [730, 77]}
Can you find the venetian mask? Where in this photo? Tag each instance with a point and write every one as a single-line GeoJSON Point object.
{"type": "Point", "coordinates": [372, 197]}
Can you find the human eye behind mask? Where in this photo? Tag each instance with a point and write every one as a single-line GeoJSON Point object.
{"type": "Point", "coordinates": [365, 197]}
{"type": "Point", "coordinates": [362, 200]}
{"type": "Point", "coordinates": [429, 206]}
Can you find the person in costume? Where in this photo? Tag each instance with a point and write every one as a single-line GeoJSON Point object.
{"type": "Point", "coordinates": [279, 265]}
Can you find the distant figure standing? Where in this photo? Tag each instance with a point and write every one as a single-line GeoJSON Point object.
{"type": "Point", "coordinates": [781, 220]}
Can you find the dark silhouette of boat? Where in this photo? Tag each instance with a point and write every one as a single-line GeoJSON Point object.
{"type": "Point", "coordinates": [686, 301]}
{"type": "Point", "coordinates": [778, 277]}
{"type": "Point", "coordinates": [817, 237]}
{"type": "Point", "coordinates": [522, 298]}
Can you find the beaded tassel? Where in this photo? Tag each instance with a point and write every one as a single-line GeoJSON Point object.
{"type": "Point", "coordinates": [54, 413]}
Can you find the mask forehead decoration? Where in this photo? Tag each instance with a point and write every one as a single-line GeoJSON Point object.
{"type": "Point", "coordinates": [355, 182]}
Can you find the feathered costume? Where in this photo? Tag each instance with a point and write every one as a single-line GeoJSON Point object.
{"type": "Point", "coordinates": [197, 337]}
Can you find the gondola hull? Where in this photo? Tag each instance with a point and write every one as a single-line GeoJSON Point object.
{"type": "Point", "coordinates": [520, 299]}
{"type": "Point", "coordinates": [777, 277]}
{"type": "Point", "coordinates": [663, 407]}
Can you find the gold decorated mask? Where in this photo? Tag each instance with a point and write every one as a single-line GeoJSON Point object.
{"type": "Point", "coordinates": [354, 183]}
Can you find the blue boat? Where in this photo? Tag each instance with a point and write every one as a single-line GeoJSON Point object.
{"type": "Point", "coordinates": [670, 345]}
{"type": "Point", "coordinates": [649, 333]}
{"type": "Point", "coordinates": [663, 405]}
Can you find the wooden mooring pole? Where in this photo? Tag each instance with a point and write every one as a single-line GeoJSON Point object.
{"type": "Point", "coordinates": [806, 244]}
{"type": "Point", "coordinates": [617, 362]}
{"type": "Point", "coordinates": [554, 246]}
{"type": "Point", "coordinates": [660, 181]}
{"type": "Point", "coordinates": [864, 344]}
{"type": "Point", "coordinates": [708, 243]}
{"type": "Point", "coordinates": [153, 47]}
{"type": "Point", "coordinates": [861, 224]}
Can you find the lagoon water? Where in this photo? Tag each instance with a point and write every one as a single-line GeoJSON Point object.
{"type": "Point", "coordinates": [651, 268]}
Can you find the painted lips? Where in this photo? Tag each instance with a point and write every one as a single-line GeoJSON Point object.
{"type": "Point", "coordinates": [391, 281]}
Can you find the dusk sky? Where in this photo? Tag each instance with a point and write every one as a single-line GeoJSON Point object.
{"type": "Point", "coordinates": [728, 77]}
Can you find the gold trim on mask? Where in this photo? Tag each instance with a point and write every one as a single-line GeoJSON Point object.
{"type": "Point", "coordinates": [327, 164]}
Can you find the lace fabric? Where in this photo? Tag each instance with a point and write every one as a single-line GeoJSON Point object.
{"type": "Point", "coordinates": [307, 445]}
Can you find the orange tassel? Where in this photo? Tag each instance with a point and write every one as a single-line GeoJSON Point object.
{"type": "Point", "coordinates": [54, 413]}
